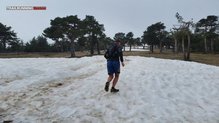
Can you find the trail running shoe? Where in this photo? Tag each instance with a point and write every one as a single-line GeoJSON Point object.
{"type": "Point", "coordinates": [114, 90]}
{"type": "Point", "coordinates": [107, 86]}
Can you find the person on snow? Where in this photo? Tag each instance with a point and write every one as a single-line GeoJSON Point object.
{"type": "Point", "coordinates": [113, 55]}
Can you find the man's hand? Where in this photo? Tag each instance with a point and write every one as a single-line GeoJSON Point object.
{"type": "Point", "coordinates": [123, 64]}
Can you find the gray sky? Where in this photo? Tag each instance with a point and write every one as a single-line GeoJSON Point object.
{"type": "Point", "coordinates": [116, 15]}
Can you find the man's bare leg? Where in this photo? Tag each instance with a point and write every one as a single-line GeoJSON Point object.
{"type": "Point", "coordinates": [115, 80]}
{"type": "Point", "coordinates": [110, 77]}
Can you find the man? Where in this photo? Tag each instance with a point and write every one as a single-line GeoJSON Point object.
{"type": "Point", "coordinates": [115, 55]}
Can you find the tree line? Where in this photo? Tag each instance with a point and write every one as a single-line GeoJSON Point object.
{"type": "Point", "coordinates": [72, 34]}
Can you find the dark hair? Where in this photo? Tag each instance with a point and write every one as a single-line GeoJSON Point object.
{"type": "Point", "coordinates": [117, 40]}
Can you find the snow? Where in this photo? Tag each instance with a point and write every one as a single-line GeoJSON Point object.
{"type": "Point", "coordinates": [56, 90]}
{"type": "Point", "coordinates": [139, 48]}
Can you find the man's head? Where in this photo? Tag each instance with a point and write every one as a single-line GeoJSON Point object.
{"type": "Point", "coordinates": [118, 42]}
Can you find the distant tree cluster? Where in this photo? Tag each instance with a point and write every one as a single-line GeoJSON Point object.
{"type": "Point", "coordinates": [8, 39]}
{"type": "Point", "coordinates": [128, 39]}
{"type": "Point", "coordinates": [39, 44]}
{"type": "Point", "coordinates": [74, 31]}
{"type": "Point", "coordinates": [185, 37]}
{"type": "Point", "coordinates": [72, 34]}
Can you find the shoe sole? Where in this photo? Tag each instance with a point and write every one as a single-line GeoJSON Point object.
{"type": "Point", "coordinates": [114, 91]}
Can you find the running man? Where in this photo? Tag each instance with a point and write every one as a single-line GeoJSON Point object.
{"type": "Point", "coordinates": [113, 65]}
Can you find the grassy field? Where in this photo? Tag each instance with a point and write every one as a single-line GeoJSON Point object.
{"type": "Point", "coordinates": [42, 55]}
{"type": "Point", "coordinates": [211, 59]}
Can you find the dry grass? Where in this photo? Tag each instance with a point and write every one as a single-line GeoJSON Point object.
{"type": "Point", "coordinates": [211, 59]}
{"type": "Point", "coordinates": [166, 55]}
{"type": "Point", "coordinates": [31, 55]}
{"type": "Point", "coordinates": [42, 55]}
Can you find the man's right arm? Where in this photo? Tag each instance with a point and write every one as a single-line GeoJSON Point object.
{"type": "Point", "coordinates": [121, 57]}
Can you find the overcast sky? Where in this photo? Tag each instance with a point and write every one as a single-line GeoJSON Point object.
{"type": "Point", "coordinates": [116, 15]}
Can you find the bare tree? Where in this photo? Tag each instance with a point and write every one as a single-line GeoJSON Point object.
{"type": "Point", "coordinates": [185, 31]}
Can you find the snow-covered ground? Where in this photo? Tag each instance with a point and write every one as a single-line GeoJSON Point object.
{"type": "Point", "coordinates": [63, 90]}
{"type": "Point", "coordinates": [139, 48]}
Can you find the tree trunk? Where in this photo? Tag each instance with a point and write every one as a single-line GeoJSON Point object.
{"type": "Point", "coordinates": [130, 47]}
{"type": "Point", "coordinates": [62, 46]}
{"type": "Point", "coordinates": [72, 49]}
{"type": "Point", "coordinates": [183, 47]}
{"type": "Point", "coordinates": [92, 49]}
{"type": "Point", "coordinates": [212, 46]}
{"type": "Point", "coordinates": [152, 48]}
{"type": "Point", "coordinates": [188, 48]}
{"type": "Point", "coordinates": [176, 45]}
{"type": "Point", "coordinates": [92, 45]}
{"type": "Point", "coordinates": [4, 45]}
{"type": "Point", "coordinates": [206, 49]}
{"type": "Point", "coordinates": [160, 46]}
{"type": "Point", "coordinates": [98, 47]}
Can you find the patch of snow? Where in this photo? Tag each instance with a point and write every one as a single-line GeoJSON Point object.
{"type": "Point", "coordinates": [71, 90]}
